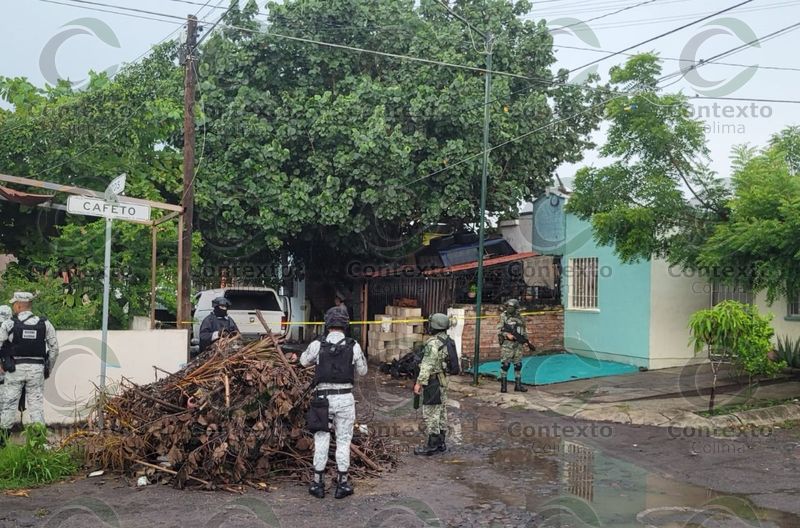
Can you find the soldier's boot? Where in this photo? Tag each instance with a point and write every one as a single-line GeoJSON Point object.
{"type": "Point", "coordinates": [317, 486]}
{"type": "Point", "coordinates": [503, 382]}
{"type": "Point", "coordinates": [343, 486]}
{"type": "Point", "coordinates": [430, 448]}
{"type": "Point", "coordinates": [442, 445]}
{"type": "Point", "coordinates": [519, 387]}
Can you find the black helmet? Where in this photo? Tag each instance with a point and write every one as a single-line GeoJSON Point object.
{"type": "Point", "coordinates": [220, 301]}
{"type": "Point", "coordinates": [336, 318]}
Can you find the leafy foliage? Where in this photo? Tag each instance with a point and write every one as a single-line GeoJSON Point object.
{"type": "Point", "coordinates": [86, 138]}
{"type": "Point", "coordinates": [762, 235]}
{"type": "Point", "coordinates": [34, 463]}
{"type": "Point", "coordinates": [737, 332]}
{"type": "Point", "coordinates": [788, 350]}
{"type": "Point", "coordinates": [638, 202]}
{"type": "Point", "coordinates": [310, 146]}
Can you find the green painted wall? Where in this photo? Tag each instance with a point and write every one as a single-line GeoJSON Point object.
{"type": "Point", "coordinates": [619, 329]}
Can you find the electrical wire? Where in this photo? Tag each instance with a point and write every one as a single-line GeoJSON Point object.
{"type": "Point", "coordinates": [582, 22]}
{"type": "Point", "coordinates": [661, 35]}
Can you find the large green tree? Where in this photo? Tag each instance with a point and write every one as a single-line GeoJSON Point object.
{"type": "Point", "coordinates": [313, 147]}
{"type": "Point", "coordinates": [655, 196]}
{"type": "Point", "coordinates": [86, 138]}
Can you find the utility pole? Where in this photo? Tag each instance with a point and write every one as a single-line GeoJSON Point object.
{"type": "Point", "coordinates": [187, 201]}
{"type": "Point", "coordinates": [487, 93]}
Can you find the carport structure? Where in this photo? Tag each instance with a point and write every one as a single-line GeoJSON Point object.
{"type": "Point", "coordinates": [45, 201]}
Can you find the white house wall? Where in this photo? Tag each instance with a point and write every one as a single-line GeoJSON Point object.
{"type": "Point", "coordinates": [782, 325]}
{"type": "Point", "coordinates": [674, 297]}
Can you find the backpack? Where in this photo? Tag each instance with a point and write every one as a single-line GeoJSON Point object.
{"type": "Point", "coordinates": [453, 366]}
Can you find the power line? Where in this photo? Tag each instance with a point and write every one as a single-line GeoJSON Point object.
{"type": "Point", "coordinates": [581, 22]}
{"type": "Point", "coordinates": [651, 39]}
{"type": "Point", "coordinates": [109, 11]}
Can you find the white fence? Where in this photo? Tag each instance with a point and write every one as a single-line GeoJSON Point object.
{"type": "Point", "coordinates": [131, 354]}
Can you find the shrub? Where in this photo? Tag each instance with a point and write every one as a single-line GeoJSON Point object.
{"type": "Point", "coordinates": [34, 462]}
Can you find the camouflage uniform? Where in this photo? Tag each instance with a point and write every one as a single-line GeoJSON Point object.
{"type": "Point", "coordinates": [5, 315]}
{"type": "Point", "coordinates": [433, 364]}
{"type": "Point", "coordinates": [27, 375]}
{"type": "Point", "coordinates": [511, 351]}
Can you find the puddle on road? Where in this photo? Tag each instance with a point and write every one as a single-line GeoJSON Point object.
{"type": "Point", "coordinates": [581, 486]}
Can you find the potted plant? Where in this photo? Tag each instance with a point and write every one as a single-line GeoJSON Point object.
{"type": "Point", "coordinates": [472, 291]}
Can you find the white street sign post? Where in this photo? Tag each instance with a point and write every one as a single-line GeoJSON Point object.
{"type": "Point", "coordinates": [110, 209]}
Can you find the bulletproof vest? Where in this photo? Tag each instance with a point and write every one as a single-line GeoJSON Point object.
{"type": "Point", "coordinates": [29, 340]}
{"type": "Point", "coordinates": [335, 363]}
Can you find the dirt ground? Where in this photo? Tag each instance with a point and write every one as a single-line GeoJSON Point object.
{"type": "Point", "coordinates": [504, 467]}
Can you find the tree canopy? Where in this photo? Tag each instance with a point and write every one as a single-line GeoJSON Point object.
{"type": "Point", "coordinates": [656, 196]}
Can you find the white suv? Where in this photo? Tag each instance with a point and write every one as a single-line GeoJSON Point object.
{"type": "Point", "coordinates": [244, 302]}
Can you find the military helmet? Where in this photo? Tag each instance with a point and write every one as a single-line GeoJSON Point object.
{"type": "Point", "coordinates": [512, 305]}
{"type": "Point", "coordinates": [336, 318]}
{"type": "Point", "coordinates": [220, 301]}
{"type": "Point", "coordinates": [438, 321]}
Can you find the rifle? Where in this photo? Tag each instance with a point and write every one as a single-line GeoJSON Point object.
{"type": "Point", "coordinates": [519, 338]}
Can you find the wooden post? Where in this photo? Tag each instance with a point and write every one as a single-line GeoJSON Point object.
{"type": "Point", "coordinates": [153, 258]}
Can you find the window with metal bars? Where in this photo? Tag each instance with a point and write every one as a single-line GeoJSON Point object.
{"type": "Point", "coordinates": [730, 292]}
{"type": "Point", "coordinates": [583, 283]}
{"type": "Point", "coordinates": [793, 307]}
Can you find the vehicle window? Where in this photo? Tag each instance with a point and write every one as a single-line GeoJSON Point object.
{"type": "Point", "coordinates": [253, 300]}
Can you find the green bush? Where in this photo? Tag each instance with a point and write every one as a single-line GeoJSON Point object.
{"type": "Point", "coordinates": [34, 462]}
{"type": "Point", "coordinates": [64, 309]}
{"type": "Point", "coordinates": [739, 333]}
{"type": "Point", "coordinates": [788, 350]}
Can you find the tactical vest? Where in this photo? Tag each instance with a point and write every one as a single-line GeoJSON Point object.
{"type": "Point", "coordinates": [335, 362]}
{"type": "Point", "coordinates": [29, 340]}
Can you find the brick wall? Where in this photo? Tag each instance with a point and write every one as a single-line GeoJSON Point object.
{"type": "Point", "coordinates": [545, 330]}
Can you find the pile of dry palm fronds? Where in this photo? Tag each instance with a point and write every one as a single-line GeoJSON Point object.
{"type": "Point", "coordinates": [234, 415]}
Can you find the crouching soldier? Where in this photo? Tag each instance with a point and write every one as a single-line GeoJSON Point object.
{"type": "Point", "coordinates": [337, 359]}
{"type": "Point", "coordinates": [432, 384]}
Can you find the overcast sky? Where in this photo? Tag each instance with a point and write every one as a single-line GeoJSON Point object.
{"type": "Point", "coordinates": [42, 40]}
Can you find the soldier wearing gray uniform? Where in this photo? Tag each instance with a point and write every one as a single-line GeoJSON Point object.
{"type": "Point", "coordinates": [337, 359]}
{"type": "Point", "coordinates": [5, 315]}
{"type": "Point", "coordinates": [31, 342]}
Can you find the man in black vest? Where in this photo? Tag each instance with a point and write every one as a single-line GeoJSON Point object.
{"type": "Point", "coordinates": [217, 323]}
{"type": "Point", "coordinates": [338, 359]}
{"type": "Point", "coordinates": [31, 343]}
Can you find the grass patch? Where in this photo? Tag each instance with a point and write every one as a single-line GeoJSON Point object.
{"type": "Point", "coordinates": [34, 462]}
{"type": "Point", "coordinates": [745, 406]}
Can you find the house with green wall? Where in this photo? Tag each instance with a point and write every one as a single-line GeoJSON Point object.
{"type": "Point", "coordinates": [633, 313]}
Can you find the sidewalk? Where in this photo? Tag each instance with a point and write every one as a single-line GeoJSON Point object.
{"type": "Point", "coordinates": [663, 398]}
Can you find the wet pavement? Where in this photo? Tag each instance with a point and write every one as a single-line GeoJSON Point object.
{"type": "Point", "coordinates": [504, 468]}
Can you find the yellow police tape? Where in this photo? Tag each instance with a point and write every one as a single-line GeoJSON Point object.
{"type": "Point", "coordinates": [419, 320]}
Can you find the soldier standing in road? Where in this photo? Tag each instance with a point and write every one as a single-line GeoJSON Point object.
{"type": "Point", "coordinates": [338, 359]}
{"type": "Point", "coordinates": [432, 384]}
{"type": "Point", "coordinates": [5, 315]}
{"type": "Point", "coordinates": [31, 342]}
{"type": "Point", "coordinates": [510, 347]}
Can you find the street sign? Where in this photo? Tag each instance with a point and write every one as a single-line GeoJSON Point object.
{"type": "Point", "coordinates": [101, 208]}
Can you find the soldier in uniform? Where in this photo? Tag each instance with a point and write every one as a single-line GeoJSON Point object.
{"type": "Point", "coordinates": [338, 359]}
{"type": "Point", "coordinates": [32, 342]}
{"type": "Point", "coordinates": [5, 315]}
{"type": "Point", "coordinates": [217, 323]}
{"type": "Point", "coordinates": [432, 384]}
{"type": "Point", "coordinates": [510, 348]}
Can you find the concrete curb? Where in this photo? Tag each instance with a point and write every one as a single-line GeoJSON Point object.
{"type": "Point", "coordinates": [625, 413]}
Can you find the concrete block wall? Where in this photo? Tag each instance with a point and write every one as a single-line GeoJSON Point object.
{"type": "Point", "coordinates": [546, 330]}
